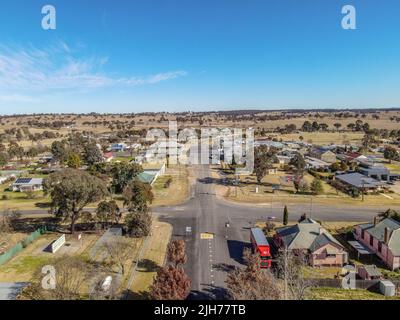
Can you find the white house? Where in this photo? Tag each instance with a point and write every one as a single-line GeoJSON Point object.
{"type": "Point", "coordinates": [27, 184]}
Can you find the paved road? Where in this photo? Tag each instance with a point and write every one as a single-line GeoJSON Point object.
{"type": "Point", "coordinates": [209, 260]}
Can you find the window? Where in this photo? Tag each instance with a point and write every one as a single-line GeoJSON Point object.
{"type": "Point", "coordinates": [380, 246]}
{"type": "Point", "coordinates": [371, 240]}
{"type": "Point", "coordinates": [362, 234]}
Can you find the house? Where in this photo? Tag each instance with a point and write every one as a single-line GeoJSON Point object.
{"type": "Point", "coordinates": [383, 238]}
{"type": "Point", "coordinates": [108, 156]}
{"type": "Point", "coordinates": [323, 154]}
{"type": "Point", "coordinates": [27, 184]}
{"type": "Point", "coordinates": [360, 182]}
{"type": "Point", "coordinates": [118, 147]}
{"type": "Point", "coordinates": [314, 163]}
{"type": "Point", "coordinates": [309, 237]}
{"type": "Point", "coordinates": [369, 272]}
{"type": "Point", "coordinates": [150, 175]}
{"type": "Point", "coordinates": [46, 159]}
{"type": "Point", "coordinates": [376, 171]}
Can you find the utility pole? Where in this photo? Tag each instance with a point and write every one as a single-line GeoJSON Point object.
{"type": "Point", "coordinates": [362, 190]}
{"type": "Point", "coordinates": [285, 257]}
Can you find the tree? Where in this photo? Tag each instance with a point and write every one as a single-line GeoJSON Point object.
{"type": "Point", "coordinates": [290, 269]}
{"type": "Point", "coordinates": [176, 253]}
{"type": "Point", "coordinates": [390, 153]}
{"type": "Point", "coordinates": [3, 159]}
{"type": "Point", "coordinates": [316, 186]}
{"type": "Point", "coordinates": [92, 154]}
{"type": "Point", "coordinates": [285, 216]}
{"type": "Point", "coordinates": [74, 161]}
{"type": "Point", "coordinates": [303, 217]}
{"type": "Point", "coordinates": [252, 282]}
{"type": "Point", "coordinates": [122, 174]}
{"type": "Point", "coordinates": [108, 211]}
{"type": "Point", "coordinates": [119, 252]}
{"type": "Point", "coordinates": [138, 224]}
{"type": "Point", "coordinates": [71, 190]}
{"type": "Point", "coordinates": [71, 275]}
{"type": "Point", "coordinates": [263, 159]}
{"type": "Point", "coordinates": [299, 163]}
{"type": "Point", "coordinates": [390, 213]}
{"type": "Point", "coordinates": [171, 283]}
{"type": "Point", "coordinates": [59, 151]}
{"type": "Point", "coordinates": [137, 196]}
{"type": "Point", "coordinates": [337, 125]}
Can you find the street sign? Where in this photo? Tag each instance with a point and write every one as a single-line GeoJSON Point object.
{"type": "Point", "coordinates": [188, 229]}
{"type": "Point", "coordinates": [206, 236]}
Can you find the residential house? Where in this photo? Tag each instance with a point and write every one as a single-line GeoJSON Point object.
{"type": "Point", "coordinates": [27, 184]}
{"type": "Point", "coordinates": [309, 237]}
{"type": "Point", "coordinates": [323, 154]}
{"type": "Point", "coordinates": [118, 147]}
{"type": "Point", "coordinates": [108, 156]}
{"type": "Point", "coordinates": [383, 238]}
{"type": "Point", "coordinates": [376, 171]}
{"type": "Point", "coordinates": [360, 182]}
{"type": "Point", "coordinates": [314, 163]}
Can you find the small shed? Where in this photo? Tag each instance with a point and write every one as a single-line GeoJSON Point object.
{"type": "Point", "coordinates": [369, 272]}
{"type": "Point", "coordinates": [387, 288]}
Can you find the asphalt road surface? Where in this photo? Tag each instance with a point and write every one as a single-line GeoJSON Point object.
{"type": "Point", "coordinates": [209, 260]}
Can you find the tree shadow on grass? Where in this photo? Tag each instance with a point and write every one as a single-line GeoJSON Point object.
{"type": "Point", "coordinates": [141, 295]}
{"type": "Point", "coordinates": [147, 265]}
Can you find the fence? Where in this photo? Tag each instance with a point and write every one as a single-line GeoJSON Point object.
{"type": "Point", "coordinates": [9, 254]}
{"type": "Point", "coordinates": [372, 285]}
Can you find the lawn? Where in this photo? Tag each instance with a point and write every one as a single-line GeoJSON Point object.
{"type": "Point", "coordinates": [322, 293]}
{"type": "Point", "coordinates": [393, 167]}
{"type": "Point", "coordinates": [325, 138]}
{"type": "Point", "coordinates": [152, 259]}
{"type": "Point", "coordinates": [176, 193]}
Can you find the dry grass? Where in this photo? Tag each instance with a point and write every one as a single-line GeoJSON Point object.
{"type": "Point", "coordinates": [22, 267]}
{"type": "Point", "coordinates": [342, 294]}
{"type": "Point", "coordinates": [153, 258]}
{"type": "Point", "coordinates": [177, 192]}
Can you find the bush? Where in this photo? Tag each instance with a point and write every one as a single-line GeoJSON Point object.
{"type": "Point", "coordinates": [167, 183]}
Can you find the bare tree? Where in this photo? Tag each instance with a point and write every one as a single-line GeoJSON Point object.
{"type": "Point", "coordinates": [252, 282]}
{"type": "Point", "coordinates": [119, 251]}
{"type": "Point", "coordinates": [290, 269]}
{"type": "Point", "coordinates": [71, 276]}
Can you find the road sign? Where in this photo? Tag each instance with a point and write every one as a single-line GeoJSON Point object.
{"type": "Point", "coordinates": [188, 229]}
{"type": "Point", "coordinates": [206, 236]}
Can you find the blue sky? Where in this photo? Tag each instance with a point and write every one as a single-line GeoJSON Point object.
{"type": "Point", "coordinates": [176, 55]}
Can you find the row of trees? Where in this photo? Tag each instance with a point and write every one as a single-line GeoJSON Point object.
{"type": "Point", "coordinates": [285, 282]}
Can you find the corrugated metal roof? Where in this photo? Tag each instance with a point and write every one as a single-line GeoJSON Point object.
{"type": "Point", "coordinates": [259, 237]}
{"type": "Point", "coordinates": [358, 180]}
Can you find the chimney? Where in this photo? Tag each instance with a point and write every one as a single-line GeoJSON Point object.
{"type": "Point", "coordinates": [387, 235]}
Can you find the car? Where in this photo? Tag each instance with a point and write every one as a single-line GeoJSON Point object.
{"type": "Point", "coordinates": [392, 183]}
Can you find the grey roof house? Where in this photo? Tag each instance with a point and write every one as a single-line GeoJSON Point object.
{"type": "Point", "coordinates": [309, 237]}
{"type": "Point", "coordinates": [359, 181]}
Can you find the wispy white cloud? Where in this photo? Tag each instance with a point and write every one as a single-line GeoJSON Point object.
{"type": "Point", "coordinates": [16, 98]}
{"type": "Point", "coordinates": [57, 68]}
